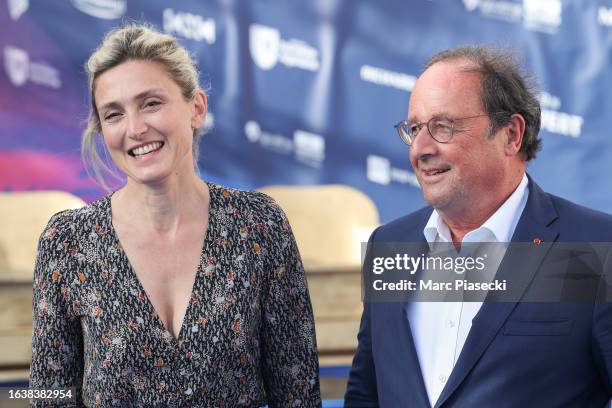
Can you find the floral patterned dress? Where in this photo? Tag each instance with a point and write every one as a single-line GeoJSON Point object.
{"type": "Point", "coordinates": [247, 338]}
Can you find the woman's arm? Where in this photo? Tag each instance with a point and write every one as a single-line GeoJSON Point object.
{"type": "Point", "coordinates": [289, 351]}
{"type": "Point", "coordinates": [57, 341]}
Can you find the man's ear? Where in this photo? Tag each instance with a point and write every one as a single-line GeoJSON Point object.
{"type": "Point", "coordinates": [515, 130]}
{"type": "Point", "coordinates": [199, 113]}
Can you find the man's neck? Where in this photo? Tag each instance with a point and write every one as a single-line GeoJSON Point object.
{"type": "Point", "coordinates": [460, 221]}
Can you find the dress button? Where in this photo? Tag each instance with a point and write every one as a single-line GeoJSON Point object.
{"type": "Point", "coordinates": [442, 378]}
{"type": "Point", "coordinates": [450, 324]}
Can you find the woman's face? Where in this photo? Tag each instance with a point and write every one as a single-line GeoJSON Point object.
{"type": "Point", "coordinates": [146, 122]}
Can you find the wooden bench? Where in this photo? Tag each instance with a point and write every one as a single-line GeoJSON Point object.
{"type": "Point", "coordinates": [329, 223]}
{"type": "Point", "coordinates": [23, 216]}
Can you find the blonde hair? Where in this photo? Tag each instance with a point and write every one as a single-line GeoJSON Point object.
{"type": "Point", "coordinates": [134, 42]}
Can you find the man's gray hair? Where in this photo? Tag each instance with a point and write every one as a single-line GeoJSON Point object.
{"type": "Point", "coordinates": [506, 90]}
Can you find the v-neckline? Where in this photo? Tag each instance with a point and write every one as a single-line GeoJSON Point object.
{"type": "Point", "coordinates": [133, 275]}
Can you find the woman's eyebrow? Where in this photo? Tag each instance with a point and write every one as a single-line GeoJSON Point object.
{"type": "Point", "coordinates": [141, 95]}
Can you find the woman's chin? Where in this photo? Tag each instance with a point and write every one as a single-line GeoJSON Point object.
{"type": "Point", "coordinates": [152, 177]}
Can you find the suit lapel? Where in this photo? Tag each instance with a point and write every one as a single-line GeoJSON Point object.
{"type": "Point", "coordinates": [413, 393]}
{"type": "Point", "coordinates": [518, 267]}
{"type": "Point", "coordinates": [418, 384]}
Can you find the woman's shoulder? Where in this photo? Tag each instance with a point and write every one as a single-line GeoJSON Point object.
{"type": "Point", "coordinates": [70, 222]}
{"type": "Point", "coordinates": [250, 200]}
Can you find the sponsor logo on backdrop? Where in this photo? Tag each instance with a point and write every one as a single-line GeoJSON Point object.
{"type": "Point", "coordinates": [252, 130]}
{"type": "Point", "coordinates": [542, 15]}
{"type": "Point", "coordinates": [308, 148]}
{"type": "Point", "coordinates": [384, 77]}
{"type": "Point", "coordinates": [470, 5]}
{"type": "Point", "coordinates": [604, 16]}
{"type": "Point", "coordinates": [264, 45]}
{"type": "Point", "coordinates": [555, 121]}
{"type": "Point", "coordinates": [268, 48]}
{"type": "Point", "coordinates": [272, 141]}
{"type": "Point", "coordinates": [537, 15]}
{"type": "Point", "coordinates": [16, 64]}
{"type": "Point", "coordinates": [498, 10]}
{"type": "Point", "coordinates": [187, 25]}
{"type": "Point", "coordinates": [104, 9]}
{"type": "Point", "coordinates": [16, 8]}
{"type": "Point", "coordinates": [20, 69]}
{"type": "Point", "coordinates": [379, 170]}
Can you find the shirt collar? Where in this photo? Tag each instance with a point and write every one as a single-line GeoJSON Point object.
{"type": "Point", "coordinates": [498, 228]}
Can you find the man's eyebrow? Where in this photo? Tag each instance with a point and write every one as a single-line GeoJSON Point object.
{"type": "Point", "coordinates": [439, 115]}
{"type": "Point", "coordinates": [412, 120]}
{"type": "Point", "coordinates": [141, 95]}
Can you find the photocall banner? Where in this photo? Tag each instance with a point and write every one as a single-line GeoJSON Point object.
{"type": "Point", "coordinates": [308, 92]}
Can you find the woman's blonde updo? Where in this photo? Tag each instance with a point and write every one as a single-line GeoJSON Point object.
{"type": "Point", "coordinates": [134, 42]}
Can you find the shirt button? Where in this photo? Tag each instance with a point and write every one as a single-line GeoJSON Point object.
{"type": "Point", "coordinates": [442, 378]}
{"type": "Point", "coordinates": [450, 324]}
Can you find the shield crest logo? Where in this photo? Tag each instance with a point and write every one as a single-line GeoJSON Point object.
{"type": "Point", "coordinates": [264, 44]}
{"type": "Point", "coordinates": [17, 8]}
{"type": "Point", "coordinates": [252, 131]}
{"type": "Point", "coordinates": [17, 65]}
{"type": "Point", "coordinates": [471, 5]}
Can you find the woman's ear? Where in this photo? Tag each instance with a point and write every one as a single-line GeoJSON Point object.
{"type": "Point", "coordinates": [200, 104]}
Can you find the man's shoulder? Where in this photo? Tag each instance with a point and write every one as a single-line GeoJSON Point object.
{"type": "Point", "coordinates": [566, 207]}
{"type": "Point", "coordinates": [406, 228]}
{"type": "Point", "coordinates": [580, 218]}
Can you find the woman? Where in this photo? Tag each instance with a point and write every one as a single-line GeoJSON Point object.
{"type": "Point", "coordinates": [170, 291]}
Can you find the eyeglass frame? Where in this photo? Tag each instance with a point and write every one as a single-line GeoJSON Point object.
{"type": "Point", "coordinates": [398, 127]}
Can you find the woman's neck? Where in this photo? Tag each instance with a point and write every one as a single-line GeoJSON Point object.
{"type": "Point", "coordinates": [163, 207]}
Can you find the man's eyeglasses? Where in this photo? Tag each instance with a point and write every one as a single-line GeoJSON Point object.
{"type": "Point", "coordinates": [441, 129]}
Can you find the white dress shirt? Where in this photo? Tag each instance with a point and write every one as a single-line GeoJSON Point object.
{"type": "Point", "coordinates": [440, 329]}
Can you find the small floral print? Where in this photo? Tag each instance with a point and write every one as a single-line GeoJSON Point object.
{"type": "Point", "coordinates": [248, 322]}
{"type": "Point", "coordinates": [236, 326]}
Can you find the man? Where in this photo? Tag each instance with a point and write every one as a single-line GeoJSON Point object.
{"type": "Point", "coordinates": [472, 127]}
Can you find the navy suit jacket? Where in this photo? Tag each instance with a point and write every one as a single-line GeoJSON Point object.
{"type": "Point", "coordinates": [517, 354]}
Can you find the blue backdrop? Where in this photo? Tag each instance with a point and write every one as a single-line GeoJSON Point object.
{"type": "Point", "coordinates": [308, 92]}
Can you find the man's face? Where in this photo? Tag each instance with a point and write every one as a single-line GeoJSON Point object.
{"type": "Point", "coordinates": [454, 176]}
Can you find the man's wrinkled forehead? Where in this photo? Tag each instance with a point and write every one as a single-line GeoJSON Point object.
{"type": "Point", "coordinates": [446, 88]}
{"type": "Point", "coordinates": [448, 73]}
